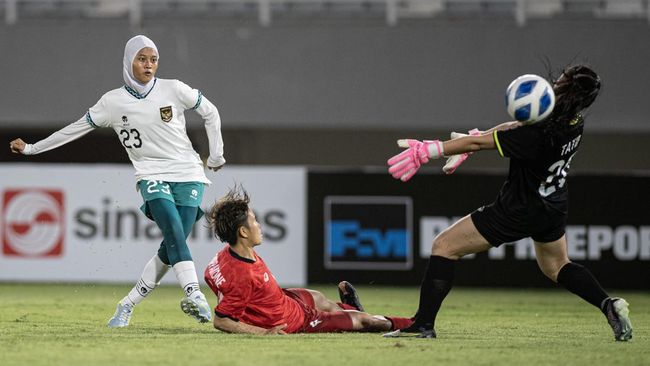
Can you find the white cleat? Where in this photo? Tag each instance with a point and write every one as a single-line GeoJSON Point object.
{"type": "Point", "coordinates": [197, 308]}
{"type": "Point", "coordinates": [618, 317]}
{"type": "Point", "coordinates": [121, 317]}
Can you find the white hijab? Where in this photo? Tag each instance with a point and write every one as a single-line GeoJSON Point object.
{"type": "Point", "coordinates": [133, 46]}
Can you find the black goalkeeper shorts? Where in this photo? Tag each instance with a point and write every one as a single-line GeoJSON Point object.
{"type": "Point", "coordinates": [499, 226]}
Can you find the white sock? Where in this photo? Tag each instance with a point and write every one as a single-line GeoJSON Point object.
{"type": "Point", "coordinates": [153, 271]}
{"type": "Point", "coordinates": [186, 276]}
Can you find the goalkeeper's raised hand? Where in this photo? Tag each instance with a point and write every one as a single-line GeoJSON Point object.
{"type": "Point", "coordinates": [404, 165]}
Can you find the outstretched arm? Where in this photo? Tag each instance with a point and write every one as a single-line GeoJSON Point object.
{"type": "Point", "coordinates": [61, 137]}
{"type": "Point", "coordinates": [502, 127]}
{"type": "Point", "coordinates": [467, 144]}
{"type": "Point", "coordinates": [228, 325]}
{"type": "Point", "coordinates": [405, 164]}
{"type": "Point", "coordinates": [470, 143]}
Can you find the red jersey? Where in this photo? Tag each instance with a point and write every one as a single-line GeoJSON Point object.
{"type": "Point", "coordinates": [247, 292]}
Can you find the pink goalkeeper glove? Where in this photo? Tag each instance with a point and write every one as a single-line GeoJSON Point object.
{"type": "Point", "coordinates": [404, 165]}
{"type": "Point", "coordinates": [454, 161]}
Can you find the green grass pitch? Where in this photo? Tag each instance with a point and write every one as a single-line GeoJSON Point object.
{"type": "Point", "coordinates": [66, 325]}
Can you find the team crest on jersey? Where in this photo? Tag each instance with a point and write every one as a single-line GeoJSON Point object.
{"type": "Point", "coordinates": [166, 113]}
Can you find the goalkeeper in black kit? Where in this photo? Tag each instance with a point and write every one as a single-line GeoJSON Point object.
{"type": "Point", "coordinates": [533, 202]}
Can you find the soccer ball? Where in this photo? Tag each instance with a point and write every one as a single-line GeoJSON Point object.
{"type": "Point", "coordinates": [530, 98]}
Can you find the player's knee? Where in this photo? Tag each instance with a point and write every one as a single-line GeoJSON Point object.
{"type": "Point", "coordinates": [436, 246]}
{"type": "Point", "coordinates": [552, 275]}
{"type": "Point", "coordinates": [360, 321]}
{"type": "Point", "coordinates": [442, 245]}
{"type": "Point", "coordinates": [357, 320]}
{"type": "Point", "coordinates": [172, 232]}
{"type": "Point", "coordinates": [176, 230]}
{"type": "Point", "coordinates": [366, 322]}
{"type": "Point", "coordinates": [373, 323]}
{"type": "Point", "coordinates": [551, 270]}
{"type": "Point", "coordinates": [216, 323]}
{"type": "Point", "coordinates": [322, 303]}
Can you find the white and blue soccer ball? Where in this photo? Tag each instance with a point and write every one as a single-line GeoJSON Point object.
{"type": "Point", "coordinates": [530, 98]}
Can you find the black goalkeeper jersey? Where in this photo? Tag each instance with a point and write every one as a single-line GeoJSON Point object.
{"type": "Point", "coordinates": [539, 164]}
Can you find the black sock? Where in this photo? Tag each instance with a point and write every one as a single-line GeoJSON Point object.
{"type": "Point", "coordinates": [581, 282]}
{"type": "Point", "coordinates": [435, 286]}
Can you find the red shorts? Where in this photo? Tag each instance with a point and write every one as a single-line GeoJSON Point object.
{"type": "Point", "coordinates": [317, 321]}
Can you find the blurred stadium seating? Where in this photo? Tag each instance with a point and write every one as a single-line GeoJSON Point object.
{"type": "Point", "coordinates": [312, 71]}
{"type": "Point", "coordinates": [265, 10]}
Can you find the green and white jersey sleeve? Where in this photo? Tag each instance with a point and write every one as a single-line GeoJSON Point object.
{"type": "Point", "coordinates": [193, 99]}
{"type": "Point", "coordinates": [98, 115]}
{"type": "Point", "coordinates": [61, 137]}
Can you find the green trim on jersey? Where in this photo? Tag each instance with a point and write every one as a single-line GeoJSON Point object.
{"type": "Point", "coordinates": [89, 119]}
{"type": "Point", "coordinates": [198, 102]}
{"type": "Point", "coordinates": [496, 141]}
{"type": "Point", "coordinates": [138, 95]}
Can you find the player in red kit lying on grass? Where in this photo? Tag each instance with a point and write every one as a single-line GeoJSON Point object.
{"type": "Point", "coordinates": [251, 301]}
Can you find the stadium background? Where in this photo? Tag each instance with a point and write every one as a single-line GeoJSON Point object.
{"type": "Point", "coordinates": [331, 91]}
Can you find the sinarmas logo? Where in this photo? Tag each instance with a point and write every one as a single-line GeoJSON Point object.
{"type": "Point", "coordinates": [33, 222]}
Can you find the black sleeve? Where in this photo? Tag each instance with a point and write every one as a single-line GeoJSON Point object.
{"type": "Point", "coordinates": [522, 143]}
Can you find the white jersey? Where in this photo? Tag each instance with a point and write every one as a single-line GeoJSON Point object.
{"type": "Point", "coordinates": [152, 130]}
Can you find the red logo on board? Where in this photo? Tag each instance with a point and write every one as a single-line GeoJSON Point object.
{"type": "Point", "coordinates": [33, 222]}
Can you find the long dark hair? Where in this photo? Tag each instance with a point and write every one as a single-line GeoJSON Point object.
{"type": "Point", "coordinates": [575, 90]}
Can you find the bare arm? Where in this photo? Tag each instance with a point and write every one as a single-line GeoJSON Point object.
{"type": "Point", "coordinates": [475, 143]}
{"type": "Point", "coordinates": [230, 326]}
{"type": "Point", "coordinates": [503, 126]}
{"type": "Point", "coordinates": [468, 144]}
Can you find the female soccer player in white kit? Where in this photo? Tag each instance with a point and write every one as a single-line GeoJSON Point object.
{"type": "Point", "coordinates": [147, 115]}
